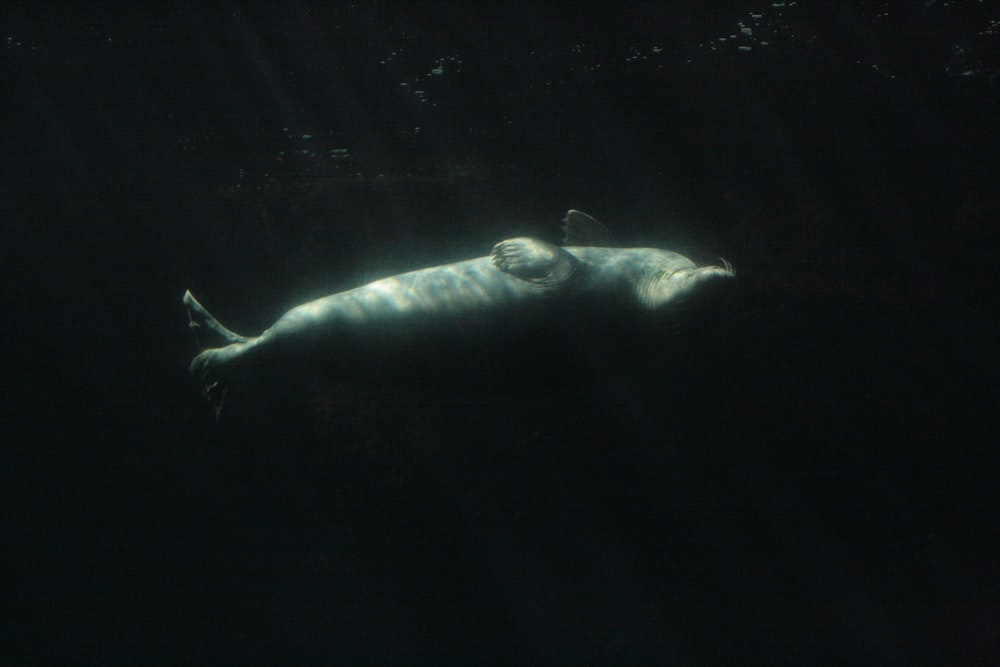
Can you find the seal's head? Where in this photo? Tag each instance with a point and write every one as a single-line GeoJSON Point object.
{"type": "Point", "coordinates": [675, 287]}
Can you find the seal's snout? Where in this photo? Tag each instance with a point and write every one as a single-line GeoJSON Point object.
{"type": "Point", "coordinates": [704, 278]}
{"type": "Point", "coordinates": [713, 282]}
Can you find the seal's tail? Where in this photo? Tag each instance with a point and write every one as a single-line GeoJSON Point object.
{"type": "Point", "coordinates": [209, 333]}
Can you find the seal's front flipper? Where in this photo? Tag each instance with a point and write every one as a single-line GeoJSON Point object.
{"type": "Point", "coordinates": [534, 261]}
{"type": "Point", "coordinates": [581, 229]}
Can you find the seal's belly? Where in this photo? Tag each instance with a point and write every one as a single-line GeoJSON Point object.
{"type": "Point", "coordinates": [464, 288]}
{"type": "Point", "coordinates": [472, 292]}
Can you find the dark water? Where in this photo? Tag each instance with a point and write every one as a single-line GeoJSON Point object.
{"type": "Point", "coordinates": [805, 474]}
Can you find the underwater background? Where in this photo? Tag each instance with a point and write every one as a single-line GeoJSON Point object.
{"type": "Point", "coordinates": [804, 474]}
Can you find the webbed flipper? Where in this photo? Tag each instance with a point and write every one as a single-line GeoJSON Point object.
{"type": "Point", "coordinates": [581, 229]}
{"type": "Point", "coordinates": [204, 325]}
{"type": "Point", "coordinates": [534, 261]}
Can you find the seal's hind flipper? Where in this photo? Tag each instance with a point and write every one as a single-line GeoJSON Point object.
{"type": "Point", "coordinates": [204, 325]}
{"type": "Point", "coordinates": [209, 333]}
{"type": "Point", "coordinates": [216, 395]}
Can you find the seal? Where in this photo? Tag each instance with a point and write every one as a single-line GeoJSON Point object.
{"type": "Point", "coordinates": [521, 277]}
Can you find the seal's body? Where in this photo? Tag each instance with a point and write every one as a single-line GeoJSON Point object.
{"type": "Point", "coordinates": [521, 275]}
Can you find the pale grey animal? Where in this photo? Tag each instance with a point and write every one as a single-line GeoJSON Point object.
{"type": "Point", "coordinates": [521, 275]}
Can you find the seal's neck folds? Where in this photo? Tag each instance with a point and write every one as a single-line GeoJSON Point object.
{"type": "Point", "coordinates": [673, 287]}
